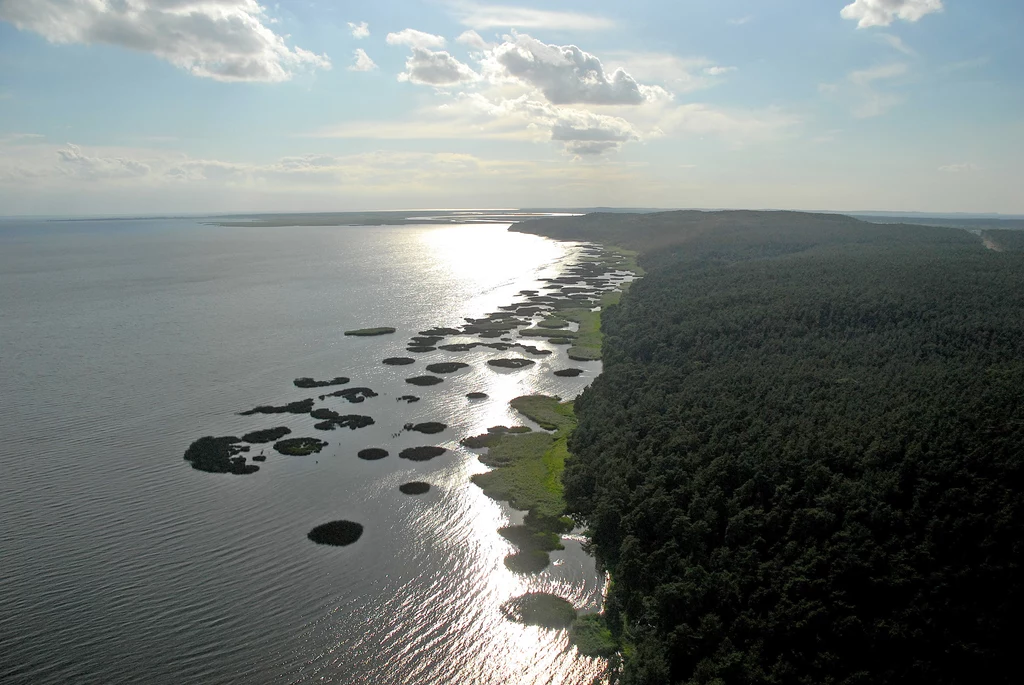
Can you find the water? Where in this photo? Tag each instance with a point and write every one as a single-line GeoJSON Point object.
{"type": "Point", "coordinates": [121, 342]}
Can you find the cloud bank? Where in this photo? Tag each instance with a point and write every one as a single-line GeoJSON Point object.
{"type": "Point", "coordinates": [225, 40]}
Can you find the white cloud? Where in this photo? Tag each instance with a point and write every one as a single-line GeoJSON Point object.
{"type": "Point", "coordinates": [874, 104]}
{"type": "Point", "coordinates": [225, 40]}
{"type": "Point", "coordinates": [737, 127]}
{"type": "Point", "coordinates": [481, 16]}
{"type": "Point", "coordinates": [868, 90]}
{"type": "Point", "coordinates": [865, 77]}
{"type": "Point", "coordinates": [73, 162]}
{"type": "Point", "coordinates": [718, 71]}
{"type": "Point", "coordinates": [362, 61]}
{"type": "Point", "coordinates": [360, 30]}
{"type": "Point", "coordinates": [436, 68]}
{"type": "Point", "coordinates": [884, 12]}
{"type": "Point", "coordinates": [896, 43]}
{"type": "Point", "coordinates": [472, 39]}
{"type": "Point", "coordinates": [679, 74]}
{"type": "Point", "coordinates": [565, 74]}
{"type": "Point", "coordinates": [959, 168]}
{"type": "Point", "coordinates": [415, 39]}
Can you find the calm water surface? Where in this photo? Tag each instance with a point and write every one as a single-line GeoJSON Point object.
{"type": "Point", "coordinates": [121, 342]}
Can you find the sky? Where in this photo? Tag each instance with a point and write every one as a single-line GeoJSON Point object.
{"type": "Point", "coordinates": [191, 106]}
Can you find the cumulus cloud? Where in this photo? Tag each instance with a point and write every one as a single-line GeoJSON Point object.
{"type": "Point", "coordinates": [360, 30]}
{"type": "Point", "coordinates": [473, 40]}
{"type": "Point", "coordinates": [362, 61]}
{"type": "Point", "coordinates": [869, 13]}
{"type": "Point", "coordinates": [718, 71]}
{"type": "Point", "coordinates": [435, 68]}
{"type": "Point", "coordinates": [565, 74]}
{"type": "Point", "coordinates": [489, 16]}
{"type": "Point", "coordinates": [225, 40]}
{"type": "Point", "coordinates": [72, 162]}
{"type": "Point", "coordinates": [415, 39]}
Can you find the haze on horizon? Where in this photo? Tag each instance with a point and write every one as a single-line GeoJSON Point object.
{"type": "Point", "coordinates": [187, 106]}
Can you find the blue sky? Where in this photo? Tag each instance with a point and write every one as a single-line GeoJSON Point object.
{"type": "Point", "coordinates": [156, 106]}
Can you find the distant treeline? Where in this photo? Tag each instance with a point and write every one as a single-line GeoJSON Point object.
{"type": "Point", "coordinates": [804, 460]}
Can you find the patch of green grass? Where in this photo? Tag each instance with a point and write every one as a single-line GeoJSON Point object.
{"type": "Point", "coordinates": [527, 473]}
{"type": "Point", "coordinates": [591, 636]}
{"type": "Point", "coordinates": [548, 412]}
{"type": "Point", "coordinates": [538, 332]}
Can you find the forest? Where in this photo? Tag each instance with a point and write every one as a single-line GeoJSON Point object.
{"type": "Point", "coordinates": [803, 460]}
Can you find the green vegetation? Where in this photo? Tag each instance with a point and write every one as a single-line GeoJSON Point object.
{"type": "Point", "coordinates": [526, 472]}
{"type": "Point", "coordinates": [354, 395]}
{"type": "Point", "coordinates": [592, 637]}
{"type": "Point", "coordinates": [1004, 240]}
{"type": "Point", "coordinates": [540, 609]}
{"type": "Point", "coordinates": [568, 373]}
{"type": "Point", "coordinates": [538, 332]}
{"type": "Point", "coordinates": [424, 380]}
{"type": "Point", "coordinates": [337, 533]}
{"type": "Point", "coordinates": [511, 363]}
{"type": "Point", "coordinates": [421, 453]}
{"type": "Point", "coordinates": [399, 361]}
{"type": "Point", "coordinates": [306, 382]}
{"type": "Point", "coordinates": [218, 455]}
{"type": "Point", "coordinates": [414, 488]}
{"type": "Point", "coordinates": [297, 407]}
{"type": "Point", "coordinates": [428, 427]}
{"type": "Point", "coordinates": [379, 330]}
{"type": "Point", "coordinates": [299, 447]}
{"type": "Point", "coordinates": [446, 367]}
{"type": "Point", "coordinates": [546, 412]}
{"type": "Point", "coordinates": [372, 453]}
{"type": "Point", "coordinates": [267, 435]}
{"type": "Point", "coordinates": [476, 395]}
{"type": "Point", "coordinates": [330, 419]}
{"type": "Point", "coordinates": [802, 462]}
{"type": "Point", "coordinates": [420, 348]}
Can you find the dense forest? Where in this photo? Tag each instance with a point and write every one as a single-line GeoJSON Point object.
{"type": "Point", "coordinates": [803, 460]}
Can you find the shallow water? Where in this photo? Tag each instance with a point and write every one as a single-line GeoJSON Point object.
{"type": "Point", "coordinates": [121, 342]}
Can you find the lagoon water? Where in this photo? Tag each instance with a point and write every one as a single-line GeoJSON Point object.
{"type": "Point", "coordinates": [123, 341]}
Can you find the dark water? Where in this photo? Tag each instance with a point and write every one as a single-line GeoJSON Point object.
{"type": "Point", "coordinates": [122, 342]}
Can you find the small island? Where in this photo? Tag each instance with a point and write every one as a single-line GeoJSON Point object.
{"type": "Point", "coordinates": [568, 373]}
{"type": "Point", "coordinates": [421, 453]}
{"type": "Point", "coordinates": [540, 609]}
{"type": "Point", "coordinates": [306, 382]}
{"type": "Point", "coordinates": [379, 330]}
{"type": "Point", "coordinates": [511, 363]}
{"type": "Point", "coordinates": [337, 533]}
{"type": "Point", "coordinates": [407, 398]}
{"type": "Point", "coordinates": [424, 380]}
{"type": "Point", "coordinates": [477, 395]}
{"type": "Point", "coordinates": [218, 455]}
{"type": "Point", "coordinates": [299, 447]}
{"type": "Point", "coordinates": [372, 453]}
{"type": "Point", "coordinates": [267, 435]}
{"type": "Point", "coordinates": [399, 361]}
{"type": "Point", "coordinates": [428, 427]}
{"type": "Point", "coordinates": [297, 407]}
{"type": "Point", "coordinates": [446, 367]}
{"type": "Point", "coordinates": [414, 488]}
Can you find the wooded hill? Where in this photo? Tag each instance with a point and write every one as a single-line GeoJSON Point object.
{"type": "Point", "coordinates": [803, 460]}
